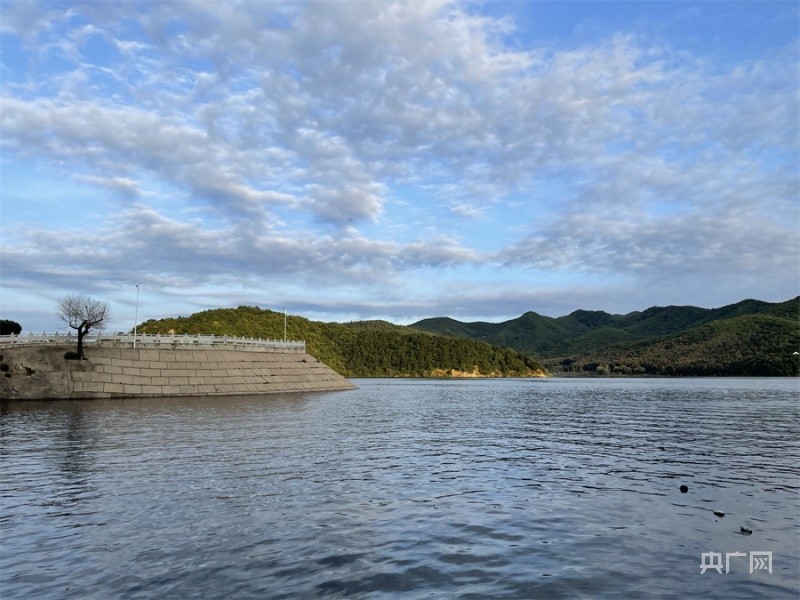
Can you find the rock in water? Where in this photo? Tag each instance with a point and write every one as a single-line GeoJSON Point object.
{"type": "Point", "coordinates": [684, 489]}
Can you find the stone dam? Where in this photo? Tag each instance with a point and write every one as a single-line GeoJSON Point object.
{"type": "Point", "coordinates": [35, 372]}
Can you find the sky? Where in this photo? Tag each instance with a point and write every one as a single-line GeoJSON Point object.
{"type": "Point", "coordinates": [397, 160]}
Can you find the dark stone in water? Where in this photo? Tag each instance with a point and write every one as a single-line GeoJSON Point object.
{"type": "Point", "coordinates": [684, 489]}
{"type": "Point", "coordinates": [745, 530]}
{"type": "Point", "coordinates": [719, 513]}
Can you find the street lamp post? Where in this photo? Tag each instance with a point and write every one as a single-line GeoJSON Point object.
{"type": "Point", "coordinates": [136, 318]}
{"type": "Point", "coordinates": [284, 323]}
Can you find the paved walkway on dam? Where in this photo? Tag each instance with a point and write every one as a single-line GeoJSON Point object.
{"type": "Point", "coordinates": [109, 372]}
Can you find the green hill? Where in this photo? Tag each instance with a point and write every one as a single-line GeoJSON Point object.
{"type": "Point", "coordinates": [748, 345]}
{"type": "Point", "coordinates": [747, 338]}
{"type": "Point", "coordinates": [361, 348]}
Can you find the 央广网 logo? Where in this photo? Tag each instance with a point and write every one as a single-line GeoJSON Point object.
{"type": "Point", "coordinates": [759, 561]}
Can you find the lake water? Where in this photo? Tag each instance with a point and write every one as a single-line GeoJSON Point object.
{"type": "Point", "coordinates": [557, 488]}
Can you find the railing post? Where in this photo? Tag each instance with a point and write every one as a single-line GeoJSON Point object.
{"type": "Point", "coordinates": [273, 345]}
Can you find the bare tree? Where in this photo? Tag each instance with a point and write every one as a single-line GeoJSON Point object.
{"type": "Point", "coordinates": [83, 313]}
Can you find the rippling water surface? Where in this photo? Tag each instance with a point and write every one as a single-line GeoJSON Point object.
{"type": "Point", "coordinates": [420, 488]}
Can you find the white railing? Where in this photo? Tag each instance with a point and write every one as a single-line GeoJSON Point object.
{"type": "Point", "coordinates": [147, 339]}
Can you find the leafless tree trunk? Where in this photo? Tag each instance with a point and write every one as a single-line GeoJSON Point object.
{"type": "Point", "coordinates": [83, 313]}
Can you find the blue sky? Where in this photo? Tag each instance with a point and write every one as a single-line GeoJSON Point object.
{"type": "Point", "coordinates": [359, 160]}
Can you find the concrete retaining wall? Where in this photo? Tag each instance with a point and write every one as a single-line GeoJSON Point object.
{"type": "Point", "coordinates": [42, 372]}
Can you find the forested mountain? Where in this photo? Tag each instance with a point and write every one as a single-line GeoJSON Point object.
{"type": "Point", "coordinates": [361, 348]}
{"type": "Point", "coordinates": [747, 338]}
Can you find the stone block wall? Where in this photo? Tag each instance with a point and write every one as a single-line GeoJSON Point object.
{"type": "Point", "coordinates": [112, 372]}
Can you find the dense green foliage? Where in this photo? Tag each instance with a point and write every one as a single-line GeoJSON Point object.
{"type": "Point", "coordinates": [388, 354]}
{"type": "Point", "coordinates": [747, 338]}
{"type": "Point", "coordinates": [9, 327]}
{"type": "Point", "coordinates": [746, 345]}
{"type": "Point", "coordinates": [359, 349]}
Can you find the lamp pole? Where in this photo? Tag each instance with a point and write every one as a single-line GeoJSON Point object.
{"type": "Point", "coordinates": [136, 318]}
{"type": "Point", "coordinates": [284, 323]}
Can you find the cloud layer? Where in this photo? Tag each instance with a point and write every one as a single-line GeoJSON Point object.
{"type": "Point", "coordinates": [399, 159]}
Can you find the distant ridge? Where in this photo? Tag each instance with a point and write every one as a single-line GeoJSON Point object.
{"type": "Point", "coordinates": [751, 337]}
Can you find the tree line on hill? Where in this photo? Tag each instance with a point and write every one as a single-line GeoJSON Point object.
{"type": "Point", "coordinates": [749, 338]}
{"type": "Point", "coordinates": [361, 348]}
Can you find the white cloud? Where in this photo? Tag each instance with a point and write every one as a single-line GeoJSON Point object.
{"type": "Point", "coordinates": [291, 126]}
{"type": "Point", "coordinates": [123, 186]}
